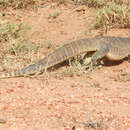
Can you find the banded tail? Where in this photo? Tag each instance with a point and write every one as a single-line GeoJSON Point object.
{"type": "Point", "coordinates": [67, 51]}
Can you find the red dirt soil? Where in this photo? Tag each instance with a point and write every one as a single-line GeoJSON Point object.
{"type": "Point", "coordinates": [99, 100]}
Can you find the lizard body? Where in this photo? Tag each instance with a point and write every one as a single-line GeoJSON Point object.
{"type": "Point", "coordinates": [114, 48]}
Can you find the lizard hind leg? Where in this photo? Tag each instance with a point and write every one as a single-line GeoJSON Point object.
{"type": "Point", "coordinates": [86, 60]}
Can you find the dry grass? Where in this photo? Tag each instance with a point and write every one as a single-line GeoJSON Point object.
{"type": "Point", "coordinates": [13, 37]}
{"type": "Point", "coordinates": [109, 13]}
{"type": "Point", "coordinates": [17, 4]}
{"type": "Point", "coordinates": [15, 46]}
{"type": "Point", "coordinates": [113, 16]}
{"type": "Point", "coordinates": [94, 3]}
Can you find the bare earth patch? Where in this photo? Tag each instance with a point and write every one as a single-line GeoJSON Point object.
{"type": "Point", "coordinates": [99, 100]}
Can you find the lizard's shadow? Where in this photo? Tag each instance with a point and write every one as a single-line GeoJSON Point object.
{"type": "Point", "coordinates": [113, 63]}
{"type": "Point", "coordinates": [106, 62]}
{"type": "Point", "coordinates": [57, 66]}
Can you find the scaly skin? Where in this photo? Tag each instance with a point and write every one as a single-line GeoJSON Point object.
{"type": "Point", "coordinates": [114, 48]}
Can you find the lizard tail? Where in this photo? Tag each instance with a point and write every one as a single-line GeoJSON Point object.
{"type": "Point", "coordinates": [10, 75]}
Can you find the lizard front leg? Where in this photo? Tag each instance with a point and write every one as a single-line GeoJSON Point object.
{"type": "Point", "coordinates": [99, 54]}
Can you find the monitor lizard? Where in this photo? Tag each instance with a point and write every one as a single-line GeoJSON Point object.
{"type": "Point", "coordinates": [114, 48]}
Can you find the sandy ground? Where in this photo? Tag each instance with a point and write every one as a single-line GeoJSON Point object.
{"type": "Point", "coordinates": [99, 100]}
